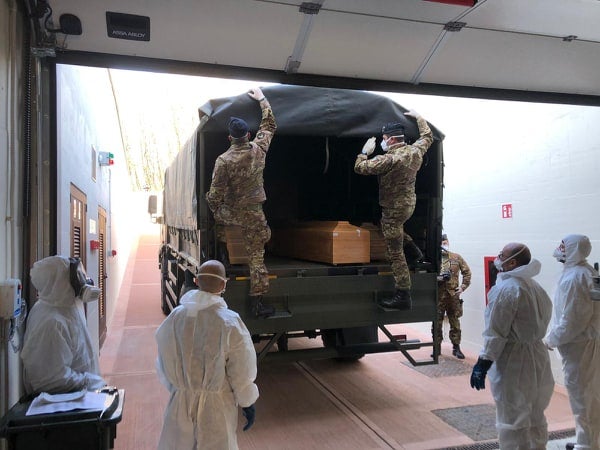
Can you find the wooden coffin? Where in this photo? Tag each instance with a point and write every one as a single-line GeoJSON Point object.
{"type": "Point", "coordinates": [235, 245]}
{"type": "Point", "coordinates": [378, 251]}
{"type": "Point", "coordinates": [332, 242]}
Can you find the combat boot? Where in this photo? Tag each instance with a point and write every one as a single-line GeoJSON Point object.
{"type": "Point", "coordinates": [260, 310]}
{"type": "Point", "coordinates": [400, 300]}
{"type": "Point", "coordinates": [456, 351]}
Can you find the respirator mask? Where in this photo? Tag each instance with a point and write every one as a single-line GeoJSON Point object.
{"type": "Point", "coordinates": [384, 145]}
{"type": "Point", "coordinates": [82, 285]}
{"type": "Point", "coordinates": [216, 276]}
{"type": "Point", "coordinates": [559, 253]}
{"type": "Point", "coordinates": [498, 263]}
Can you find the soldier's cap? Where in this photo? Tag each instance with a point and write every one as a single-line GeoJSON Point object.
{"type": "Point", "coordinates": [393, 129]}
{"type": "Point", "coordinates": [444, 237]}
{"type": "Point", "coordinates": [237, 127]}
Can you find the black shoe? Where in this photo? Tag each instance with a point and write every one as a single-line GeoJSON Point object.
{"type": "Point", "coordinates": [412, 253]}
{"type": "Point", "coordinates": [400, 300]}
{"type": "Point", "coordinates": [456, 352]}
{"type": "Point", "coordinates": [259, 309]}
{"type": "Point", "coordinates": [570, 445]}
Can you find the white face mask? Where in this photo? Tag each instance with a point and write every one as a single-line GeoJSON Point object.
{"type": "Point", "coordinates": [445, 248]}
{"type": "Point", "coordinates": [498, 263]}
{"type": "Point", "coordinates": [215, 276]}
{"type": "Point", "coordinates": [384, 145]}
{"type": "Point", "coordinates": [559, 253]}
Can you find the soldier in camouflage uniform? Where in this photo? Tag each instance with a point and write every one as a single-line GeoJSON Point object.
{"type": "Point", "coordinates": [449, 302]}
{"type": "Point", "coordinates": [396, 170]}
{"type": "Point", "coordinates": [236, 195]}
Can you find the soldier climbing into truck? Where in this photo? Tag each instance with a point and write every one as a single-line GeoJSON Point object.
{"type": "Point", "coordinates": [396, 171]}
{"type": "Point", "coordinates": [237, 193]}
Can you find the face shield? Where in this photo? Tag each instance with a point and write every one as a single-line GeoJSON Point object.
{"type": "Point", "coordinates": [82, 285]}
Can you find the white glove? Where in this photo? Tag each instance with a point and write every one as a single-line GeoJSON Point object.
{"type": "Point", "coordinates": [256, 94]}
{"type": "Point", "coordinates": [369, 146]}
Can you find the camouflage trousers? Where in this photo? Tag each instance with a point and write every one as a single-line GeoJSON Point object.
{"type": "Point", "coordinates": [448, 305]}
{"type": "Point", "coordinates": [255, 234]}
{"type": "Point", "coordinates": [392, 227]}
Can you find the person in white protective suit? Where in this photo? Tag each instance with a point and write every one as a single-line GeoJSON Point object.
{"type": "Point", "coordinates": [207, 361]}
{"type": "Point", "coordinates": [516, 320]}
{"type": "Point", "coordinates": [57, 352]}
{"type": "Point", "coordinates": [575, 331]}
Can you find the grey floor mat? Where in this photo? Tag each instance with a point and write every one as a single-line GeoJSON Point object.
{"type": "Point", "coordinates": [554, 442]}
{"type": "Point", "coordinates": [476, 421]}
{"type": "Point", "coordinates": [447, 366]}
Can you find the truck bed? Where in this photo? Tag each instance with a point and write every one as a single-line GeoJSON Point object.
{"type": "Point", "coordinates": [280, 266]}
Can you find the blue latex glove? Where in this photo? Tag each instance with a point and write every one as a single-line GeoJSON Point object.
{"type": "Point", "coordinates": [249, 413]}
{"type": "Point", "coordinates": [479, 372]}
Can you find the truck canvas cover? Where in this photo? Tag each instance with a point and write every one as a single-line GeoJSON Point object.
{"type": "Point", "coordinates": [299, 111]}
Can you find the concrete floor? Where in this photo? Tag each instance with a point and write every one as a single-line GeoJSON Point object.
{"type": "Point", "coordinates": [379, 402]}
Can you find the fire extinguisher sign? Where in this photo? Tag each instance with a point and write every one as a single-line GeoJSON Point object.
{"type": "Point", "coordinates": [507, 212]}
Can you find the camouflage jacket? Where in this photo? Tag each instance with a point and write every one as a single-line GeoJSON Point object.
{"type": "Point", "coordinates": [397, 168]}
{"type": "Point", "coordinates": [237, 179]}
{"type": "Point", "coordinates": [455, 264]}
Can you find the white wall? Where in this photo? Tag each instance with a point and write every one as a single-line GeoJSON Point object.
{"type": "Point", "coordinates": [543, 159]}
{"type": "Point", "coordinates": [86, 118]}
{"type": "Point", "coordinates": [11, 225]}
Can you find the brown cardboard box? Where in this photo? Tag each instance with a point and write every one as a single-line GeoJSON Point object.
{"type": "Point", "coordinates": [235, 245]}
{"type": "Point", "coordinates": [378, 251]}
{"type": "Point", "coordinates": [333, 242]}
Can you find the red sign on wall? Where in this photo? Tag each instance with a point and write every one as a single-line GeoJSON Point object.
{"type": "Point", "coordinates": [507, 211]}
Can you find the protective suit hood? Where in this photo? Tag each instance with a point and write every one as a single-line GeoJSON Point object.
{"type": "Point", "coordinates": [577, 249]}
{"type": "Point", "coordinates": [527, 271]}
{"type": "Point", "coordinates": [50, 276]}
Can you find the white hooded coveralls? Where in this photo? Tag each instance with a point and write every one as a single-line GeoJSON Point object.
{"type": "Point", "coordinates": [207, 361]}
{"type": "Point", "coordinates": [521, 379]}
{"type": "Point", "coordinates": [57, 351]}
{"type": "Point", "coordinates": [575, 331]}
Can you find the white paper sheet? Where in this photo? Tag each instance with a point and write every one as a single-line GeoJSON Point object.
{"type": "Point", "coordinates": [47, 403]}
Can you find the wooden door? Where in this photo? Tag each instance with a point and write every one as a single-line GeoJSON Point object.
{"type": "Point", "coordinates": [78, 218]}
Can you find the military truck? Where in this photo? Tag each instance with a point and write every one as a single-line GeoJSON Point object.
{"type": "Point", "coordinates": [309, 176]}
